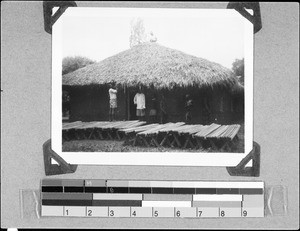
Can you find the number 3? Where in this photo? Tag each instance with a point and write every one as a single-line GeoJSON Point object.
{"type": "Point", "coordinates": [111, 213]}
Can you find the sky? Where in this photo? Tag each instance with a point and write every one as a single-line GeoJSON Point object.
{"type": "Point", "coordinates": [101, 33]}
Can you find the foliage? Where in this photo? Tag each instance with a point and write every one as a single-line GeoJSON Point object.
{"type": "Point", "coordinates": [70, 64]}
{"type": "Point", "coordinates": [65, 96]}
{"type": "Point", "coordinates": [238, 69]}
{"type": "Point", "coordinates": [138, 34]}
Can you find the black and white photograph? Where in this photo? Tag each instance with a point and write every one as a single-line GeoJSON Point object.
{"type": "Point", "coordinates": [153, 81]}
{"type": "Point", "coordinates": [149, 115]}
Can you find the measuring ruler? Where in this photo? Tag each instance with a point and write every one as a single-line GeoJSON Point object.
{"type": "Point", "coordinates": [122, 198]}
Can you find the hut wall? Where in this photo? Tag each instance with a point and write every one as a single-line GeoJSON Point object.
{"type": "Point", "coordinates": [209, 105]}
{"type": "Point", "coordinates": [238, 106]}
{"type": "Point", "coordinates": [91, 103]}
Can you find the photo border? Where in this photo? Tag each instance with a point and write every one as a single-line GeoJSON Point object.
{"type": "Point", "coordinates": [149, 158]}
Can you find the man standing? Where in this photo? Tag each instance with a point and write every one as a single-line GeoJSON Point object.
{"type": "Point", "coordinates": [139, 100]}
{"type": "Point", "coordinates": [153, 111]}
{"type": "Point", "coordinates": [112, 101]}
{"type": "Point", "coordinates": [188, 107]}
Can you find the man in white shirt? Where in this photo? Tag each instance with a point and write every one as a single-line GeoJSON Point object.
{"type": "Point", "coordinates": [112, 102]}
{"type": "Point", "coordinates": [140, 101]}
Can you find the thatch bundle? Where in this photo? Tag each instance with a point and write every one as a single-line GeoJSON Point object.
{"type": "Point", "coordinates": [151, 64]}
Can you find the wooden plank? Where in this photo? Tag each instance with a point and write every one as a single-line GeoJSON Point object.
{"type": "Point", "coordinates": [120, 133]}
{"type": "Point", "coordinates": [87, 125]}
{"type": "Point", "coordinates": [235, 131]}
{"type": "Point", "coordinates": [73, 126]}
{"type": "Point", "coordinates": [194, 129]}
{"type": "Point", "coordinates": [102, 124]}
{"type": "Point", "coordinates": [141, 128]}
{"type": "Point", "coordinates": [231, 130]}
{"type": "Point", "coordinates": [203, 133]}
{"type": "Point", "coordinates": [67, 125]}
{"type": "Point", "coordinates": [228, 131]}
{"type": "Point", "coordinates": [83, 125]}
{"type": "Point", "coordinates": [112, 124]}
{"type": "Point", "coordinates": [140, 123]}
{"type": "Point", "coordinates": [225, 132]}
{"type": "Point", "coordinates": [172, 127]}
{"type": "Point", "coordinates": [182, 128]}
{"type": "Point", "coordinates": [138, 129]}
{"type": "Point", "coordinates": [97, 124]}
{"type": "Point", "coordinates": [164, 140]}
{"type": "Point", "coordinates": [150, 130]}
{"type": "Point", "coordinates": [129, 124]}
{"type": "Point", "coordinates": [154, 130]}
{"type": "Point", "coordinates": [217, 132]}
{"type": "Point", "coordinates": [123, 124]}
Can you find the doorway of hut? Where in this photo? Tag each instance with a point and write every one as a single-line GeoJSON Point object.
{"type": "Point", "coordinates": [132, 106]}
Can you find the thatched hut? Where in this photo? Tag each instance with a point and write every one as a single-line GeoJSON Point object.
{"type": "Point", "coordinates": [216, 93]}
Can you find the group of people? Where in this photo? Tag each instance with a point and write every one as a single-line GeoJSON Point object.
{"type": "Point", "coordinates": [140, 101]}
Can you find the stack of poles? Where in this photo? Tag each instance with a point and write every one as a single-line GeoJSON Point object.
{"type": "Point", "coordinates": [135, 132]}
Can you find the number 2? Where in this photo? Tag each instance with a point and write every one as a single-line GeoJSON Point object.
{"type": "Point", "coordinates": [89, 212]}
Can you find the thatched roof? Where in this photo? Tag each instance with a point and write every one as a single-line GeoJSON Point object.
{"type": "Point", "coordinates": [151, 64]}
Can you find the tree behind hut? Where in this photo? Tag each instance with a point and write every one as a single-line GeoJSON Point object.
{"type": "Point", "coordinates": [137, 34]}
{"type": "Point", "coordinates": [70, 64]}
{"type": "Point", "coordinates": [238, 69]}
